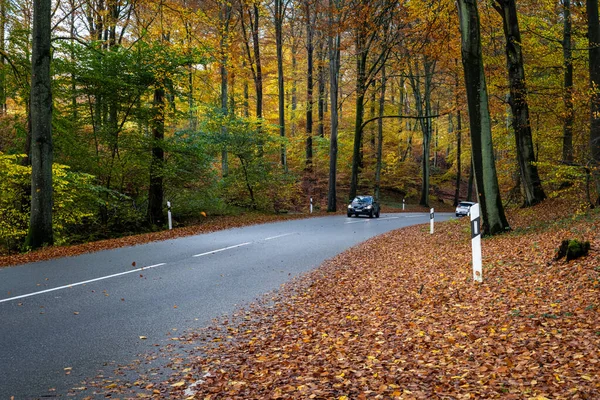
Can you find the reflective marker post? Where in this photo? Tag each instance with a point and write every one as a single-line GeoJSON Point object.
{"type": "Point", "coordinates": [476, 242]}
{"type": "Point", "coordinates": [169, 215]}
{"type": "Point", "coordinates": [403, 204]}
{"type": "Point", "coordinates": [431, 218]}
{"type": "Point", "coordinates": [311, 205]}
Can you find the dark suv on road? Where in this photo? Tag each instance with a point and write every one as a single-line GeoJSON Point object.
{"type": "Point", "coordinates": [364, 205]}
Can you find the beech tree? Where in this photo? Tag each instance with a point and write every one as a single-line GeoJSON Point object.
{"type": "Point", "coordinates": [594, 65]}
{"type": "Point", "coordinates": [492, 210]}
{"type": "Point", "coordinates": [334, 39]}
{"type": "Point", "coordinates": [530, 179]}
{"type": "Point", "coordinates": [40, 223]}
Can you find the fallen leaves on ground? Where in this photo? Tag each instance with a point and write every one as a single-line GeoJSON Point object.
{"type": "Point", "coordinates": [208, 224]}
{"type": "Point", "coordinates": [400, 317]}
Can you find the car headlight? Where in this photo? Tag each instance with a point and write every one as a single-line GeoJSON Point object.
{"type": "Point", "coordinates": [369, 207]}
{"type": "Point", "coordinates": [349, 205]}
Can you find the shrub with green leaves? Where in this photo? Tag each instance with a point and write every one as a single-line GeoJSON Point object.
{"type": "Point", "coordinates": [75, 200]}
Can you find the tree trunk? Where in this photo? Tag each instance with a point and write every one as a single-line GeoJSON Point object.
{"type": "Point", "coordinates": [321, 85]}
{"type": "Point", "coordinates": [40, 224]}
{"type": "Point", "coordinates": [334, 67]}
{"type": "Point", "coordinates": [225, 16]}
{"type": "Point", "coordinates": [155, 192]}
{"type": "Point", "coordinates": [492, 210]}
{"type": "Point", "coordinates": [279, 11]}
{"type": "Point", "coordinates": [532, 185]}
{"type": "Point", "coordinates": [259, 78]}
{"type": "Point", "coordinates": [567, 150]}
{"type": "Point", "coordinates": [361, 63]}
{"type": "Point", "coordinates": [380, 136]}
{"type": "Point", "coordinates": [594, 56]}
{"type": "Point", "coordinates": [458, 155]}
{"type": "Point", "coordinates": [309, 86]}
{"type": "Point", "coordinates": [423, 107]}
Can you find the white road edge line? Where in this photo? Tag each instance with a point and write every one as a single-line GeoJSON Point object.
{"type": "Point", "coordinates": [223, 249]}
{"type": "Point", "coordinates": [278, 236]}
{"type": "Point", "coordinates": [81, 283]}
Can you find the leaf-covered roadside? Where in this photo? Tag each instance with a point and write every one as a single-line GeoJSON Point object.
{"type": "Point", "coordinates": [209, 224]}
{"type": "Point", "coordinates": [399, 317]}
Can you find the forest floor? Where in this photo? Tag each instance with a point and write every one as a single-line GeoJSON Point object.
{"type": "Point", "coordinates": [400, 317]}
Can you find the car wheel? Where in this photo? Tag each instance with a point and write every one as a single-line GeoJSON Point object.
{"type": "Point", "coordinates": [377, 215]}
{"type": "Point", "coordinates": [371, 214]}
{"type": "Point", "coordinates": [349, 215]}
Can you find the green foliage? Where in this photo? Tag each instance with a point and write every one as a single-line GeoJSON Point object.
{"type": "Point", "coordinates": [254, 180]}
{"type": "Point", "coordinates": [75, 200]}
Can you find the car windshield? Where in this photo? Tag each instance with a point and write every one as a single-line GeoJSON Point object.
{"type": "Point", "coordinates": [464, 204]}
{"type": "Point", "coordinates": [360, 200]}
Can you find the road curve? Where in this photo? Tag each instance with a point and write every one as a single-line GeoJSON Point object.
{"type": "Point", "coordinates": [69, 319]}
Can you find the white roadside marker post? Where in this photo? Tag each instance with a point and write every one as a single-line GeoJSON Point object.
{"type": "Point", "coordinates": [431, 218]}
{"type": "Point", "coordinates": [311, 205]}
{"type": "Point", "coordinates": [476, 242]}
{"type": "Point", "coordinates": [403, 204]}
{"type": "Point", "coordinates": [169, 215]}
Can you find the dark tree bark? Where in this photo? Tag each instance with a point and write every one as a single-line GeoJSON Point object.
{"type": "Point", "coordinates": [532, 185]}
{"type": "Point", "coordinates": [423, 107]}
{"type": "Point", "coordinates": [492, 210]}
{"type": "Point", "coordinates": [280, 6]}
{"type": "Point", "coordinates": [321, 86]}
{"type": "Point", "coordinates": [309, 84]}
{"type": "Point", "coordinates": [155, 193]}
{"type": "Point", "coordinates": [334, 68]}
{"type": "Point", "coordinates": [40, 223]}
{"type": "Point", "coordinates": [594, 56]}
{"type": "Point", "coordinates": [567, 150]}
{"type": "Point", "coordinates": [361, 65]}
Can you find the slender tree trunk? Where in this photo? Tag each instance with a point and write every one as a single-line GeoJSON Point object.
{"type": "Point", "coordinates": [155, 193]}
{"type": "Point", "coordinates": [334, 67]}
{"type": "Point", "coordinates": [594, 56]}
{"type": "Point", "coordinates": [309, 86]}
{"type": "Point", "coordinates": [294, 100]}
{"type": "Point", "coordinates": [225, 16]}
{"type": "Point", "coordinates": [378, 165]}
{"type": "Point", "coordinates": [321, 87]}
{"type": "Point", "coordinates": [492, 210]}
{"type": "Point", "coordinates": [361, 62]}
{"type": "Point", "coordinates": [532, 185]}
{"type": "Point", "coordinates": [40, 223]}
{"type": "Point", "coordinates": [279, 11]}
{"type": "Point", "coordinates": [568, 84]}
{"type": "Point", "coordinates": [458, 156]}
{"type": "Point", "coordinates": [259, 76]}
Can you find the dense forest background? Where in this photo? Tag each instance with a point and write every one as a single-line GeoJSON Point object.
{"type": "Point", "coordinates": [219, 107]}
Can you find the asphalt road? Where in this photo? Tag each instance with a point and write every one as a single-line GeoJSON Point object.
{"type": "Point", "coordinates": [66, 320]}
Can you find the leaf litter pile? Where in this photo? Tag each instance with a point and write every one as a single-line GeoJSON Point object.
{"type": "Point", "coordinates": [400, 317]}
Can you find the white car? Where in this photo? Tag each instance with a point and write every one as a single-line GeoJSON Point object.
{"type": "Point", "coordinates": [463, 208]}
